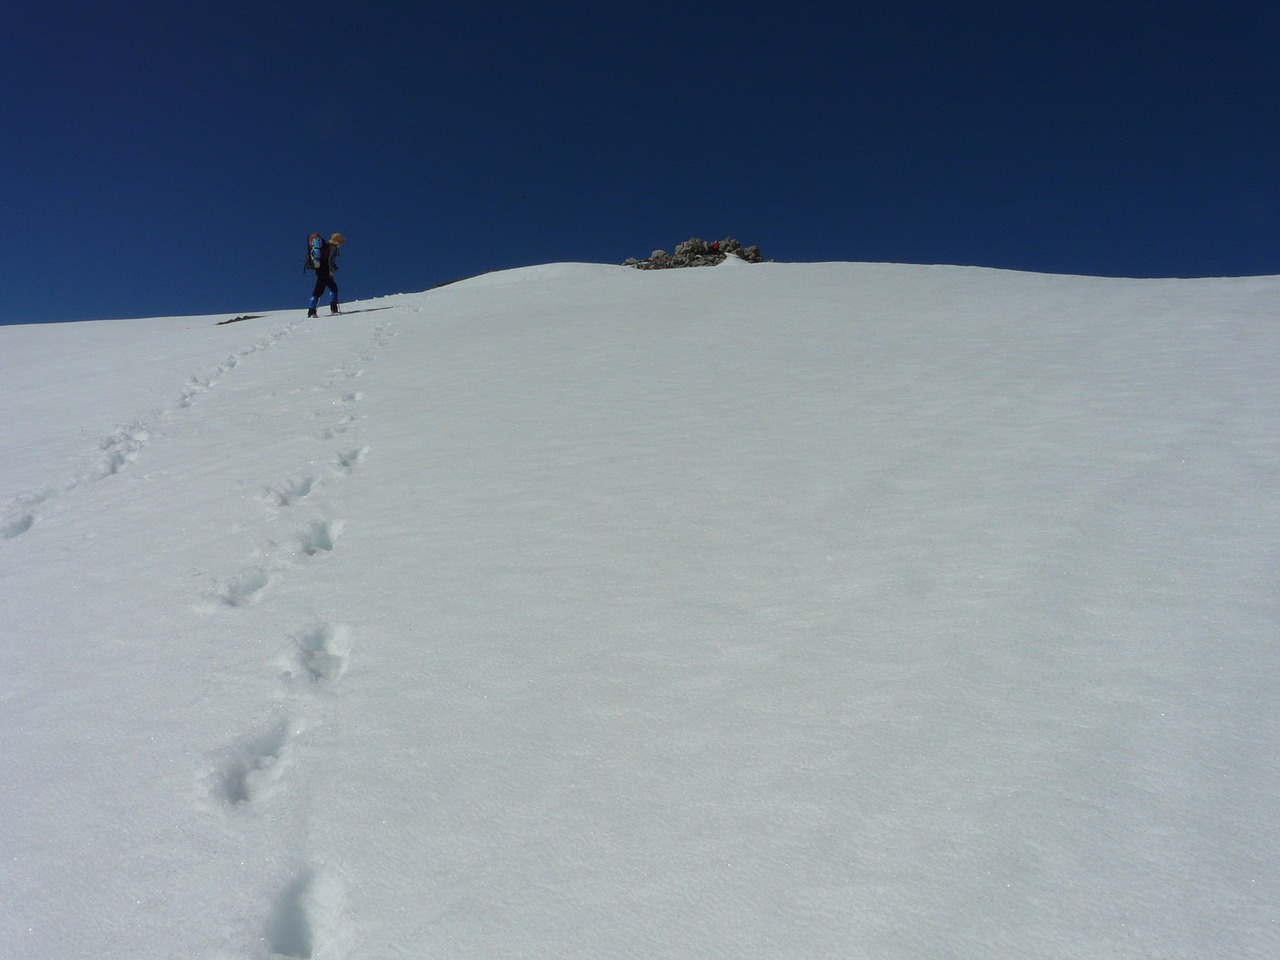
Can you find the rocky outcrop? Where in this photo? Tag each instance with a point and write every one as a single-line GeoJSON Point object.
{"type": "Point", "coordinates": [697, 253]}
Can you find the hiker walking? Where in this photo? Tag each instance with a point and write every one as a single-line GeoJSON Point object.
{"type": "Point", "coordinates": [322, 257]}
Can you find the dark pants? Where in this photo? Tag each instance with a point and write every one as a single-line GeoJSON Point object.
{"type": "Point", "coordinates": [323, 279]}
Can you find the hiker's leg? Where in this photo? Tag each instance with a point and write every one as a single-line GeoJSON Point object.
{"type": "Point", "coordinates": [321, 279]}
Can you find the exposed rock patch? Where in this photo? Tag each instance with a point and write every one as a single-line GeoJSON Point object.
{"type": "Point", "coordinates": [697, 253]}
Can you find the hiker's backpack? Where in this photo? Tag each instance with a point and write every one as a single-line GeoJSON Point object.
{"type": "Point", "coordinates": [317, 252]}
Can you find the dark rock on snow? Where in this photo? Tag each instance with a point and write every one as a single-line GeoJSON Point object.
{"type": "Point", "coordinates": [697, 253]}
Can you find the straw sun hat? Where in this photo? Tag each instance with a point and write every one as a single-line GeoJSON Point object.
{"type": "Point", "coordinates": [337, 239]}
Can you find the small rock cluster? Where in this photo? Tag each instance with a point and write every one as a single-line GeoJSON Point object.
{"type": "Point", "coordinates": [697, 253]}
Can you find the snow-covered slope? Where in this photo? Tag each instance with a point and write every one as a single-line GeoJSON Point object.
{"type": "Point", "coordinates": [798, 611]}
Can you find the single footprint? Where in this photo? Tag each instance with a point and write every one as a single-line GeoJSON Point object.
{"type": "Point", "coordinates": [243, 590]}
{"type": "Point", "coordinates": [309, 917]}
{"type": "Point", "coordinates": [17, 526]}
{"type": "Point", "coordinates": [339, 428]}
{"type": "Point", "coordinates": [122, 449]}
{"type": "Point", "coordinates": [289, 931]}
{"type": "Point", "coordinates": [340, 375]}
{"type": "Point", "coordinates": [320, 538]}
{"type": "Point", "coordinates": [352, 458]}
{"type": "Point", "coordinates": [323, 651]}
{"type": "Point", "coordinates": [250, 768]}
{"type": "Point", "coordinates": [290, 491]}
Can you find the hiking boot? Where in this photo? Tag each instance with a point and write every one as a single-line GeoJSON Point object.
{"type": "Point", "coordinates": [333, 307]}
{"type": "Point", "coordinates": [311, 312]}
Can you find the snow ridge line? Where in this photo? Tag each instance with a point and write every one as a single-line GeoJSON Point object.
{"type": "Point", "coordinates": [122, 447]}
{"type": "Point", "coordinates": [308, 916]}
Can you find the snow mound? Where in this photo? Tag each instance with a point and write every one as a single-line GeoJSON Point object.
{"type": "Point", "coordinates": [856, 610]}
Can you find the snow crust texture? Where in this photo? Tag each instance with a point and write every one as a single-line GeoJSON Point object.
{"type": "Point", "coordinates": [831, 610]}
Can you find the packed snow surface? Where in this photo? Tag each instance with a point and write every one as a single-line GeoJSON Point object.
{"type": "Point", "coordinates": [779, 611]}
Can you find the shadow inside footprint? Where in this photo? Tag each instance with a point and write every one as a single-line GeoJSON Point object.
{"type": "Point", "coordinates": [352, 458]}
{"type": "Point", "coordinates": [254, 764]}
{"type": "Point", "coordinates": [289, 931]}
{"type": "Point", "coordinates": [321, 537]}
{"type": "Point", "coordinates": [323, 651]}
{"type": "Point", "coordinates": [17, 527]}
{"type": "Point", "coordinates": [245, 589]}
{"type": "Point", "coordinates": [287, 493]}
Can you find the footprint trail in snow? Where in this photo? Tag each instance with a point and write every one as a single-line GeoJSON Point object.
{"type": "Point", "coordinates": [308, 917]}
{"type": "Point", "coordinates": [121, 448]}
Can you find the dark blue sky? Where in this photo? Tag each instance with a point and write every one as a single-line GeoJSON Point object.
{"type": "Point", "coordinates": [164, 158]}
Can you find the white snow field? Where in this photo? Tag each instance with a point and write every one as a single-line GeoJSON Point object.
{"type": "Point", "coordinates": [778, 611]}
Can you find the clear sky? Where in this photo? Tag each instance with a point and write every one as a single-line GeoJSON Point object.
{"type": "Point", "coordinates": [163, 157]}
